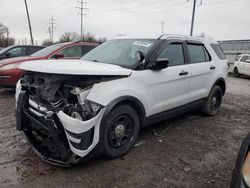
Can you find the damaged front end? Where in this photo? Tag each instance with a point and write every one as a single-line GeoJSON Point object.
{"type": "Point", "coordinates": [55, 116]}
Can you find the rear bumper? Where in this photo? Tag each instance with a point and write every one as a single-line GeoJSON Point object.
{"type": "Point", "coordinates": [56, 137]}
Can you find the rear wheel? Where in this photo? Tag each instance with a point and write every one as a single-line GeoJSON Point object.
{"type": "Point", "coordinates": [236, 72]}
{"type": "Point", "coordinates": [119, 131]}
{"type": "Point", "coordinates": [213, 102]}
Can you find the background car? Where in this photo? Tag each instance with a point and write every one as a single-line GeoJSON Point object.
{"type": "Point", "coordinates": [1, 48]}
{"type": "Point", "coordinates": [242, 65]}
{"type": "Point", "coordinates": [10, 73]}
{"type": "Point", "coordinates": [18, 51]}
{"type": "Point", "coordinates": [241, 173]}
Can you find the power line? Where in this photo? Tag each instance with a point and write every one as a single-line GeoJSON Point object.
{"type": "Point", "coordinates": [82, 8]}
{"type": "Point", "coordinates": [53, 8]}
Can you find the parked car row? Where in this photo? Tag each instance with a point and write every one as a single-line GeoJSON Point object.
{"type": "Point", "coordinates": [9, 68]}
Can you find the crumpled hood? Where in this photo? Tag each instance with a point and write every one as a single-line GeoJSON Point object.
{"type": "Point", "coordinates": [74, 67]}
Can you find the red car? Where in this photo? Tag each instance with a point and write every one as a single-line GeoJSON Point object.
{"type": "Point", "coordinates": [10, 73]}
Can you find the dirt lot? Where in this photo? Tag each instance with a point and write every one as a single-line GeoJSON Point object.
{"type": "Point", "coordinates": [188, 151]}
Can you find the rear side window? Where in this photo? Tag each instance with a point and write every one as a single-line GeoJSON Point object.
{"type": "Point", "coordinates": [32, 50]}
{"type": "Point", "coordinates": [174, 53]}
{"type": "Point", "coordinates": [86, 49]}
{"type": "Point", "coordinates": [217, 49]}
{"type": "Point", "coordinates": [198, 53]}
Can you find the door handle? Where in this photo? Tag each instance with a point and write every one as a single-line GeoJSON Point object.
{"type": "Point", "coordinates": [182, 73]}
{"type": "Point", "coordinates": [212, 67]}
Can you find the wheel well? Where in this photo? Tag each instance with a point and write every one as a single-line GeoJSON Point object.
{"type": "Point", "coordinates": [137, 106]}
{"type": "Point", "coordinates": [221, 83]}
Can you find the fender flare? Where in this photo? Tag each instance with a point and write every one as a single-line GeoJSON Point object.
{"type": "Point", "coordinates": [220, 80]}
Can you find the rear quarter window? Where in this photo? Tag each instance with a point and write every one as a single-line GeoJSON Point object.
{"type": "Point", "coordinates": [217, 49]}
{"type": "Point", "coordinates": [198, 53]}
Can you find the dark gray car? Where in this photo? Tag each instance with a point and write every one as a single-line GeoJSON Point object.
{"type": "Point", "coordinates": [18, 50]}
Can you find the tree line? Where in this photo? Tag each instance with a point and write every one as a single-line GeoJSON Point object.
{"type": "Point", "coordinates": [5, 40]}
{"type": "Point", "coordinates": [73, 36]}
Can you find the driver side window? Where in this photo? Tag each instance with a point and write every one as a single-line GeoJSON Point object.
{"type": "Point", "coordinates": [174, 53]}
{"type": "Point", "coordinates": [71, 52]}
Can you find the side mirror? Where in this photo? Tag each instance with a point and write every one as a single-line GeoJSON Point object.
{"type": "Point", "coordinates": [139, 56]}
{"type": "Point", "coordinates": [160, 63]}
{"type": "Point", "coordinates": [58, 56]}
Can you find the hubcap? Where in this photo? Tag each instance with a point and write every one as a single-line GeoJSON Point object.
{"type": "Point", "coordinates": [121, 131]}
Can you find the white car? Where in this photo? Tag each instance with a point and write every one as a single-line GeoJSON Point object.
{"type": "Point", "coordinates": [242, 65]}
{"type": "Point", "coordinates": [97, 105]}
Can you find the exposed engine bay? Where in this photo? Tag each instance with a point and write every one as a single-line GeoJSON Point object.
{"type": "Point", "coordinates": [55, 116]}
{"type": "Point", "coordinates": [64, 92]}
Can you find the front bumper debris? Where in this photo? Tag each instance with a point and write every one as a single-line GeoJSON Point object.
{"type": "Point", "coordinates": [55, 136]}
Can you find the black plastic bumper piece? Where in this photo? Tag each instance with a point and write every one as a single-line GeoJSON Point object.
{"type": "Point", "coordinates": [45, 134]}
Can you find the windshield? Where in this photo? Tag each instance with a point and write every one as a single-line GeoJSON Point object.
{"type": "Point", "coordinates": [5, 49]}
{"type": "Point", "coordinates": [119, 51]}
{"type": "Point", "coordinates": [47, 51]}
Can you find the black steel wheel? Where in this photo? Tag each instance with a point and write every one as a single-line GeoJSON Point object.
{"type": "Point", "coordinates": [119, 131]}
{"type": "Point", "coordinates": [213, 102]}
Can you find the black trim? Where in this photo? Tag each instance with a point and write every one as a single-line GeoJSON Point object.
{"type": "Point", "coordinates": [174, 112]}
{"type": "Point", "coordinates": [237, 180]}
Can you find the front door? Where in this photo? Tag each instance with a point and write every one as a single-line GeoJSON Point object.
{"type": "Point", "coordinates": [168, 88]}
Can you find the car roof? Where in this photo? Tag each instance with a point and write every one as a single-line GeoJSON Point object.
{"type": "Point", "coordinates": [168, 36]}
{"type": "Point", "coordinates": [78, 42]}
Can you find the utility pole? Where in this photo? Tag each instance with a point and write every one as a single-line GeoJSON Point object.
{"type": "Point", "coordinates": [162, 27]}
{"type": "Point", "coordinates": [50, 39]}
{"type": "Point", "coordinates": [192, 23]}
{"type": "Point", "coordinates": [31, 37]}
{"type": "Point", "coordinates": [82, 8]}
{"type": "Point", "coordinates": [51, 28]}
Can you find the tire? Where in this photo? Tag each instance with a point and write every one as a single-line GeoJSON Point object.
{"type": "Point", "coordinates": [119, 131]}
{"type": "Point", "coordinates": [213, 102]}
{"type": "Point", "coordinates": [236, 72]}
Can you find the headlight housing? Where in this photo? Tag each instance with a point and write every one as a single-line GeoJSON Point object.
{"type": "Point", "coordinates": [8, 67]}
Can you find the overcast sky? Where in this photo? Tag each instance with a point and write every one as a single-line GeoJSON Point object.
{"type": "Point", "coordinates": [218, 19]}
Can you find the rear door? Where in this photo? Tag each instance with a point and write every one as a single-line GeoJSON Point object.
{"type": "Point", "coordinates": [202, 70]}
{"type": "Point", "coordinates": [168, 88]}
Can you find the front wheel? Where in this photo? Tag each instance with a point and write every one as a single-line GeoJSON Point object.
{"type": "Point", "coordinates": [213, 102]}
{"type": "Point", "coordinates": [119, 131]}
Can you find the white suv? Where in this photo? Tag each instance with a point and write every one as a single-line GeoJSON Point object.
{"type": "Point", "coordinates": [242, 65]}
{"type": "Point", "coordinates": [97, 105]}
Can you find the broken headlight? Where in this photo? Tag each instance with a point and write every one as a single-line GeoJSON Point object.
{"type": "Point", "coordinates": [84, 109]}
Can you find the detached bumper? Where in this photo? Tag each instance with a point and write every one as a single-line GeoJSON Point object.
{"type": "Point", "coordinates": [56, 137]}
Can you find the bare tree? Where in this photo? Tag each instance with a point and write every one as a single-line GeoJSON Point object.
{"type": "Point", "coordinates": [47, 42]}
{"type": "Point", "coordinates": [5, 40]}
{"type": "Point", "coordinates": [69, 36]}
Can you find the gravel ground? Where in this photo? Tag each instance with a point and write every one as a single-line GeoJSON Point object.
{"type": "Point", "coordinates": [189, 151]}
